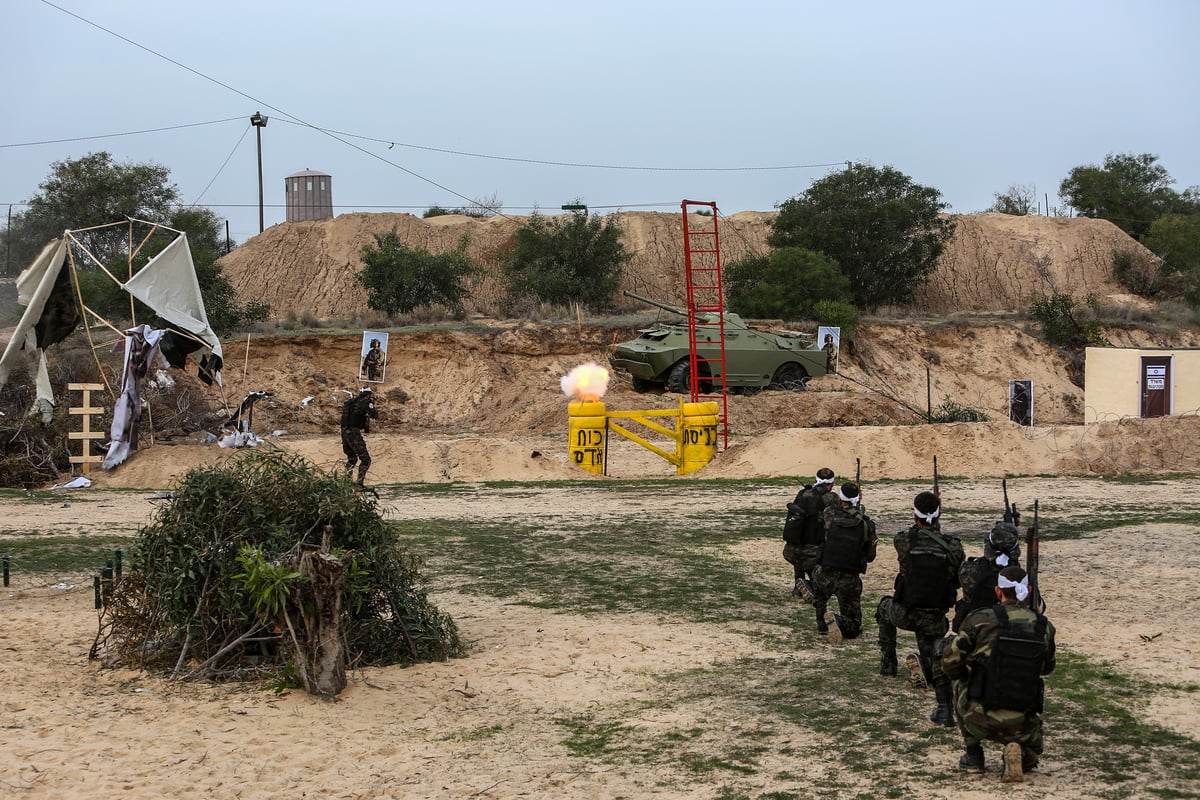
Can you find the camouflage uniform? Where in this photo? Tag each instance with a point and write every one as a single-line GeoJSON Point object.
{"type": "Point", "coordinates": [801, 547]}
{"type": "Point", "coordinates": [928, 622]}
{"type": "Point", "coordinates": [357, 412]}
{"type": "Point", "coordinates": [977, 576]}
{"type": "Point", "coordinates": [835, 576]}
{"type": "Point", "coordinates": [966, 662]}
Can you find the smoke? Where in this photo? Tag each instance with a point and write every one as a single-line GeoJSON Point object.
{"type": "Point", "coordinates": [586, 382]}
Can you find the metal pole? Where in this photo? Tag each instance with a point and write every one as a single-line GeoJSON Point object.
{"type": "Point", "coordinates": [259, 122]}
{"type": "Point", "coordinates": [258, 130]}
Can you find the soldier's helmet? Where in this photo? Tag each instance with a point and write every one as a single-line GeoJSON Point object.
{"type": "Point", "coordinates": [1003, 538]}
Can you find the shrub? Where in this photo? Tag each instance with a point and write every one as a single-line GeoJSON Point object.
{"type": "Point", "coordinates": [194, 591]}
{"type": "Point", "coordinates": [1067, 323]}
{"type": "Point", "coordinates": [836, 313]}
{"type": "Point", "coordinates": [950, 411]}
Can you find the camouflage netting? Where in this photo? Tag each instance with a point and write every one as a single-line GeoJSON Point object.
{"type": "Point", "coordinates": [183, 607]}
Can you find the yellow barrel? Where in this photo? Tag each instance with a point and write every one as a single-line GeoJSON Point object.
{"type": "Point", "coordinates": [697, 436]}
{"type": "Point", "coordinates": [588, 434]}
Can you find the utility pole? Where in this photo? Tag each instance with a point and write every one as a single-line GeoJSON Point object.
{"type": "Point", "coordinates": [259, 122]}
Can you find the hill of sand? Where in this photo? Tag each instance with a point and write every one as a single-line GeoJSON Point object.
{"type": "Point", "coordinates": [996, 262]}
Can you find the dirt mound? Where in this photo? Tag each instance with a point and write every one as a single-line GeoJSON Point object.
{"type": "Point", "coordinates": [995, 262]}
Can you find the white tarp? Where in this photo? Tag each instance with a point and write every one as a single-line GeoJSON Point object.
{"type": "Point", "coordinates": [33, 287]}
{"type": "Point", "coordinates": [168, 285]}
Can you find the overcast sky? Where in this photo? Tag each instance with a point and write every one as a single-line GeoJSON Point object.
{"type": "Point", "coordinates": [442, 103]}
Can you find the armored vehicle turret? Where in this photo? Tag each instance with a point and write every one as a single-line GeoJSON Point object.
{"type": "Point", "coordinates": [658, 358]}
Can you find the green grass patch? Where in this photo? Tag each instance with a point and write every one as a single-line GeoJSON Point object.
{"type": "Point", "coordinates": [61, 554]}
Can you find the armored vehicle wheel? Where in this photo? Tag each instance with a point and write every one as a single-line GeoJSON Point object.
{"type": "Point", "coordinates": [641, 385]}
{"type": "Point", "coordinates": [790, 377]}
{"type": "Point", "coordinates": [679, 380]}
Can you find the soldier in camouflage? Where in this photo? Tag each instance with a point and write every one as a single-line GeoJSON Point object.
{"type": "Point", "coordinates": [997, 660]}
{"type": "Point", "coordinates": [804, 528]}
{"type": "Point", "coordinates": [925, 589]}
{"type": "Point", "coordinates": [357, 413]}
{"type": "Point", "coordinates": [850, 542]}
{"type": "Point", "coordinates": [977, 576]}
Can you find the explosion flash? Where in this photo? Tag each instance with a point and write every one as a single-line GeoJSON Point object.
{"type": "Point", "coordinates": [587, 382]}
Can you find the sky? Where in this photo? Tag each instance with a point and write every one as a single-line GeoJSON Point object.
{"type": "Point", "coordinates": [620, 105]}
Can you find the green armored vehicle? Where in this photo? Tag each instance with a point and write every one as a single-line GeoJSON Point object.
{"type": "Point", "coordinates": [754, 360]}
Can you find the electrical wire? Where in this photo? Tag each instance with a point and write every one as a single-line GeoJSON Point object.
{"type": "Point", "coordinates": [125, 133]}
{"type": "Point", "coordinates": [224, 164]}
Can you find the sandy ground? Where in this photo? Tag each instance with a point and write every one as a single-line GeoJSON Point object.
{"type": "Point", "coordinates": [483, 726]}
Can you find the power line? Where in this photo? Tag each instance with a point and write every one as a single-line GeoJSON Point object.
{"type": "Point", "coordinates": [125, 133]}
{"type": "Point", "coordinates": [544, 162]}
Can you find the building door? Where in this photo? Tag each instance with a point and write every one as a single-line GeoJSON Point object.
{"type": "Point", "coordinates": [1156, 386]}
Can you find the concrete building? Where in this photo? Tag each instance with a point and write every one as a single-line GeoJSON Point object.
{"type": "Point", "coordinates": [1140, 382]}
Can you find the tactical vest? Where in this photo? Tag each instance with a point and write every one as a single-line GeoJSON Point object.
{"type": "Point", "coordinates": [804, 524]}
{"type": "Point", "coordinates": [844, 540]}
{"type": "Point", "coordinates": [1013, 679]}
{"type": "Point", "coordinates": [983, 592]}
{"type": "Point", "coordinates": [355, 411]}
{"type": "Point", "coordinates": [928, 578]}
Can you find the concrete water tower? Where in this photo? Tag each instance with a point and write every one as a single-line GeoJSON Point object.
{"type": "Point", "coordinates": [309, 196]}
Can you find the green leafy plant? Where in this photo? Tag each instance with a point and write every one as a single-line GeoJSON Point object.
{"type": "Point", "coordinates": [950, 411]}
{"type": "Point", "coordinates": [1068, 323]}
{"type": "Point", "coordinates": [785, 284]}
{"type": "Point", "coordinates": [266, 582]}
{"type": "Point", "coordinates": [565, 260]}
{"type": "Point", "coordinates": [399, 278]}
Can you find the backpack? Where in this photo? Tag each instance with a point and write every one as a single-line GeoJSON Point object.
{"type": "Point", "coordinates": [1013, 676]}
{"type": "Point", "coordinates": [928, 580]}
{"type": "Point", "coordinates": [805, 524]}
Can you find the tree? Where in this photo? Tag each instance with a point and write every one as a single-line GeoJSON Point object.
{"type": "Point", "coordinates": [881, 228]}
{"type": "Point", "coordinates": [1020, 200]}
{"type": "Point", "coordinates": [95, 190]}
{"type": "Point", "coordinates": [784, 284]}
{"type": "Point", "coordinates": [399, 278]}
{"type": "Point", "coordinates": [1175, 239]}
{"type": "Point", "coordinates": [1129, 191]}
{"type": "Point", "coordinates": [92, 190]}
{"type": "Point", "coordinates": [565, 260]}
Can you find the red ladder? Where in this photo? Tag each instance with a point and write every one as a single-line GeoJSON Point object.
{"type": "Point", "coordinates": [706, 312]}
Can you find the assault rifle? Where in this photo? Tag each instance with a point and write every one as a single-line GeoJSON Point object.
{"type": "Point", "coordinates": [1031, 564]}
{"type": "Point", "coordinates": [1011, 515]}
{"type": "Point", "coordinates": [936, 490]}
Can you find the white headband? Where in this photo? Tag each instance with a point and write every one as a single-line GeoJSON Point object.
{"type": "Point", "coordinates": [851, 500]}
{"type": "Point", "coordinates": [823, 481]}
{"type": "Point", "coordinates": [1022, 586]}
{"type": "Point", "coordinates": [930, 517]}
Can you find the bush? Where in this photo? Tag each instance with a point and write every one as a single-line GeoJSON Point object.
{"type": "Point", "coordinates": [950, 411]}
{"type": "Point", "coordinates": [566, 260]}
{"type": "Point", "coordinates": [835, 313]}
{"type": "Point", "coordinates": [1066, 323]}
{"type": "Point", "coordinates": [784, 284]}
{"type": "Point", "coordinates": [1138, 272]}
{"type": "Point", "coordinates": [399, 278]}
{"type": "Point", "coordinates": [188, 596]}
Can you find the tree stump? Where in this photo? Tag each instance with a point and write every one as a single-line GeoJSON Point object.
{"type": "Point", "coordinates": [317, 606]}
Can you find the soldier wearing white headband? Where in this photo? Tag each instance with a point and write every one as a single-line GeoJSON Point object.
{"type": "Point", "coordinates": [997, 661]}
{"type": "Point", "coordinates": [925, 589]}
{"type": "Point", "coordinates": [804, 530]}
{"type": "Point", "coordinates": [850, 542]}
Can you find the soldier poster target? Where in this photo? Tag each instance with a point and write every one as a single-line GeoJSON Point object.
{"type": "Point", "coordinates": [1020, 402]}
{"type": "Point", "coordinates": [830, 340]}
{"type": "Point", "coordinates": [373, 357]}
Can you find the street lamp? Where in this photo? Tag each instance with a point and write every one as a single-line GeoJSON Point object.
{"type": "Point", "coordinates": [259, 122]}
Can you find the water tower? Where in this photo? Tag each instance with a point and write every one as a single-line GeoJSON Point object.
{"type": "Point", "coordinates": [309, 196]}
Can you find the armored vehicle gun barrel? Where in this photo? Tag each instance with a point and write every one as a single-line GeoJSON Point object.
{"type": "Point", "coordinates": [655, 303]}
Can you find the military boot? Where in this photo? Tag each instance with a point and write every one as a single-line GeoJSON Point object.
{"type": "Point", "coordinates": [916, 671]}
{"type": "Point", "coordinates": [835, 627]}
{"type": "Point", "coordinates": [972, 759]}
{"type": "Point", "coordinates": [888, 664]}
{"type": "Point", "coordinates": [822, 627]}
{"type": "Point", "coordinates": [1029, 760]}
{"type": "Point", "coordinates": [1010, 766]}
{"type": "Point", "coordinates": [944, 713]}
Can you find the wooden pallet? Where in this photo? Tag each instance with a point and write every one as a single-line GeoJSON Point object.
{"type": "Point", "coordinates": [86, 410]}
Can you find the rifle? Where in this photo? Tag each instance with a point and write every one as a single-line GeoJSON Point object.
{"type": "Point", "coordinates": [1011, 515]}
{"type": "Point", "coordinates": [936, 490]}
{"type": "Point", "coordinates": [858, 473]}
{"type": "Point", "coordinates": [1031, 560]}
